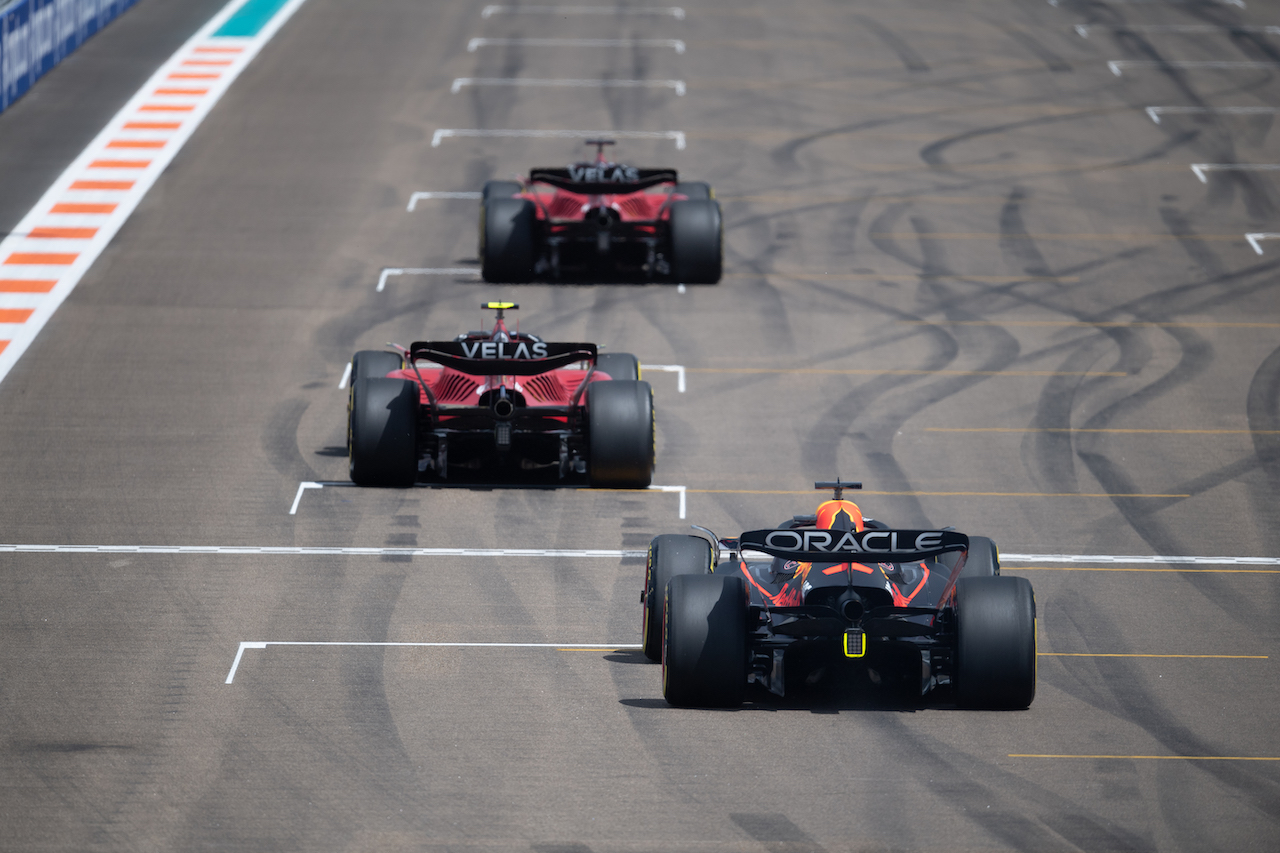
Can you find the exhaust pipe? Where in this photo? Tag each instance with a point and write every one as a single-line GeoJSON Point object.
{"type": "Point", "coordinates": [851, 608]}
{"type": "Point", "coordinates": [503, 408]}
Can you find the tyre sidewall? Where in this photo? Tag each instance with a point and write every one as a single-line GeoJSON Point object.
{"type": "Point", "coordinates": [669, 555]}
{"type": "Point", "coordinates": [995, 663]}
{"type": "Point", "coordinates": [621, 434]}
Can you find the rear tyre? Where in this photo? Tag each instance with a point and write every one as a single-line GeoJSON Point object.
{"type": "Point", "coordinates": [996, 643]}
{"type": "Point", "coordinates": [620, 434]}
{"type": "Point", "coordinates": [696, 236]}
{"type": "Point", "coordinates": [669, 555]}
{"type": "Point", "coordinates": [618, 365]}
{"type": "Point", "coordinates": [382, 432]}
{"type": "Point", "coordinates": [506, 239]}
{"type": "Point", "coordinates": [983, 560]}
{"type": "Point", "coordinates": [501, 189]}
{"type": "Point", "coordinates": [374, 364]}
{"type": "Point", "coordinates": [704, 642]}
{"type": "Point", "coordinates": [695, 190]}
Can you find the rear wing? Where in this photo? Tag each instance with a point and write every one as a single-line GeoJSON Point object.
{"type": "Point", "coordinates": [502, 358]}
{"type": "Point", "coordinates": [603, 179]}
{"type": "Point", "coordinates": [849, 546]}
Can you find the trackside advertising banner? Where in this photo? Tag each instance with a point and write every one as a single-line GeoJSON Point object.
{"type": "Point", "coordinates": [36, 35]}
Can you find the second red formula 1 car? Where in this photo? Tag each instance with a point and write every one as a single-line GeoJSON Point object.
{"type": "Point", "coordinates": [499, 400]}
{"type": "Point", "coordinates": [838, 596]}
{"type": "Point", "coordinates": [600, 219]}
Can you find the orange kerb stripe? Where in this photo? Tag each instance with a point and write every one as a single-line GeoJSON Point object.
{"type": "Point", "coordinates": [219, 49]}
{"type": "Point", "coordinates": [70, 207]}
{"type": "Point", "coordinates": [62, 233]}
{"type": "Point", "coordinates": [192, 75]}
{"type": "Point", "coordinates": [3, 344]}
{"type": "Point", "coordinates": [119, 164]}
{"type": "Point", "coordinates": [164, 108]}
{"type": "Point", "coordinates": [102, 185]}
{"type": "Point", "coordinates": [15, 315]}
{"type": "Point", "coordinates": [59, 259]}
{"type": "Point", "coordinates": [214, 62]}
{"type": "Point", "coordinates": [23, 285]}
{"type": "Point", "coordinates": [153, 125]}
{"type": "Point", "coordinates": [173, 91]}
{"type": "Point", "coordinates": [136, 143]}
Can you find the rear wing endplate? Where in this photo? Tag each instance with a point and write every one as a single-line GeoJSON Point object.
{"type": "Point", "coordinates": [502, 358]}
{"type": "Point", "coordinates": [848, 546]}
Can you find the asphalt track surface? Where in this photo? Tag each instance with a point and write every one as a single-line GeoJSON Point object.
{"type": "Point", "coordinates": [963, 265]}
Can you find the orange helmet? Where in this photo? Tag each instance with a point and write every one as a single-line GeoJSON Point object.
{"type": "Point", "coordinates": [840, 515]}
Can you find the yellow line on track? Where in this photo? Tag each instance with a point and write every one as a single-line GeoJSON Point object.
{"type": "Point", "coordinates": [1083, 324]}
{"type": "Point", "coordinates": [800, 197]}
{"type": "Point", "coordinates": [935, 494]}
{"type": "Point", "coordinates": [901, 372]}
{"type": "Point", "coordinates": [835, 276]}
{"type": "Point", "coordinates": [1156, 757]}
{"type": "Point", "coordinates": [1118, 655]}
{"type": "Point", "coordinates": [1123, 238]}
{"type": "Point", "coordinates": [1115, 569]}
{"type": "Point", "coordinates": [1116, 430]}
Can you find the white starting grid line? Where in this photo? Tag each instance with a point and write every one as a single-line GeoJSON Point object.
{"type": "Point", "coordinates": [1083, 29]}
{"type": "Point", "coordinates": [387, 272]}
{"type": "Point", "coordinates": [1117, 65]}
{"type": "Point", "coordinates": [1257, 236]}
{"type": "Point", "coordinates": [308, 485]}
{"type": "Point", "coordinates": [460, 82]}
{"type": "Point", "coordinates": [235, 664]}
{"type": "Point", "coordinates": [1200, 168]}
{"type": "Point", "coordinates": [666, 11]}
{"type": "Point", "coordinates": [677, 369]}
{"type": "Point", "coordinates": [442, 134]}
{"type": "Point", "coordinates": [416, 197]}
{"type": "Point", "coordinates": [561, 553]}
{"type": "Point", "coordinates": [675, 44]}
{"type": "Point", "coordinates": [1156, 112]}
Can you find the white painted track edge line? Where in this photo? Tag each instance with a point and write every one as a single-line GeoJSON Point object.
{"type": "Point", "coordinates": [143, 182]}
{"type": "Point", "coordinates": [306, 551]}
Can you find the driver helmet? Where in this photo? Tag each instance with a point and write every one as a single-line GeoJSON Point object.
{"type": "Point", "coordinates": [840, 515]}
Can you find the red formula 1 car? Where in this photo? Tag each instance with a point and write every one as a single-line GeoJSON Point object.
{"type": "Point", "coordinates": [600, 219]}
{"type": "Point", "coordinates": [497, 400]}
{"type": "Point", "coordinates": [838, 596]}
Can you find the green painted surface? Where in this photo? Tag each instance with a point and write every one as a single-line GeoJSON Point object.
{"type": "Point", "coordinates": [250, 18]}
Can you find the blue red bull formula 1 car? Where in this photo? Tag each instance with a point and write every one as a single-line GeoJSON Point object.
{"type": "Point", "coordinates": [834, 594]}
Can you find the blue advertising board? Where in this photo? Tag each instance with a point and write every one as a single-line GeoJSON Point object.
{"type": "Point", "coordinates": [36, 35]}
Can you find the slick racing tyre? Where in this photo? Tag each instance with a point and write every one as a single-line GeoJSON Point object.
{"type": "Point", "coordinates": [704, 641]}
{"type": "Point", "coordinates": [696, 236]}
{"type": "Point", "coordinates": [618, 365]}
{"type": "Point", "coordinates": [695, 190]}
{"type": "Point", "coordinates": [506, 239]}
{"type": "Point", "coordinates": [995, 665]}
{"type": "Point", "coordinates": [374, 364]}
{"type": "Point", "coordinates": [983, 560]}
{"type": "Point", "coordinates": [669, 555]}
{"type": "Point", "coordinates": [382, 432]}
{"type": "Point", "coordinates": [501, 189]}
{"type": "Point", "coordinates": [620, 434]}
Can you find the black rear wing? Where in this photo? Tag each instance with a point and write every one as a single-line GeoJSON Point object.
{"type": "Point", "coordinates": [603, 179]}
{"type": "Point", "coordinates": [502, 358]}
{"type": "Point", "coordinates": [849, 546]}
